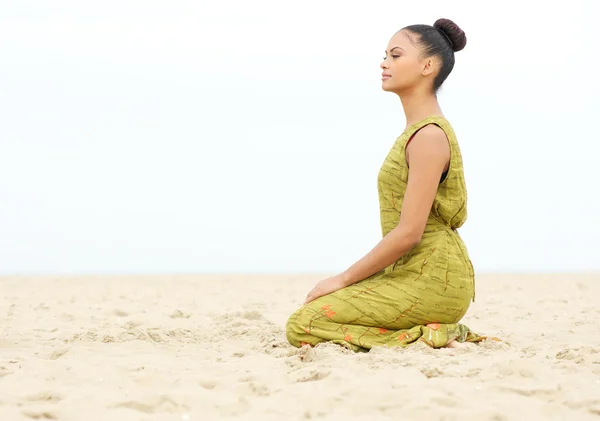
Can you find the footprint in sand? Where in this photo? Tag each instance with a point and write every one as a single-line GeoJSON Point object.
{"type": "Point", "coordinates": [430, 372]}
{"type": "Point", "coordinates": [40, 415]}
{"type": "Point", "coordinates": [120, 313]}
{"type": "Point", "coordinates": [55, 355]}
{"type": "Point", "coordinates": [11, 368]}
{"type": "Point", "coordinates": [252, 315]}
{"type": "Point", "coordinates": [208, 384]}
{"type": "Point", "coordinates": [178, 314]}
{"type": "Point", "coordinates": [150, 406]}
{"type": "Point", "coordinates": [45, 396]}
{"type": "Point", "coordinates": [539, 391]}
{"type": "Point", "coordinates": [577, 355]}
{"type": "Point", "coordinates": [312, 375]}
{"type": "Point", "coordinates": [253, 386]}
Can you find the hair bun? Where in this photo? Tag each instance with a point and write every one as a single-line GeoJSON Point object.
{"type": "Point", "coordinates": [452, 31]}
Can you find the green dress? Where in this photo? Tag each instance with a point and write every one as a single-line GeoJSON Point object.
{"type": "Point", "coordinates": [420, 297]}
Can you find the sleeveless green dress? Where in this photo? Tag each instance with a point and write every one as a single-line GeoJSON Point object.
{"type": "Point", "coordinates": [420, 297]}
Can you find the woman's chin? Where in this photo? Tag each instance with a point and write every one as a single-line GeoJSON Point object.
{"type": "Point", "coordinates": [385, 85]}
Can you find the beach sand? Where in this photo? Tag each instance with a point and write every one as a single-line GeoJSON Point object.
{"type": "Point", "coordinates": [214, 348]}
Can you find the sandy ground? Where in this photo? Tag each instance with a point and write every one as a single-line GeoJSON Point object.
{"type": "Point", "coordinates": [214, 348]}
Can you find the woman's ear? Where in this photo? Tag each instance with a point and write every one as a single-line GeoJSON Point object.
{"type": "Point", "coordinates": [428, 66]}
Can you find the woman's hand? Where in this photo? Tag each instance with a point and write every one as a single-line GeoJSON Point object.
{"type": "Point", "coordinates": [326, 286]}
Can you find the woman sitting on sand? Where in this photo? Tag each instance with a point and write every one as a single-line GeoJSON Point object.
{"type": "Point", "coordinates": [418, 282]}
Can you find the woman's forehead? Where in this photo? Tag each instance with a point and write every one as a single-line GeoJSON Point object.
{"type": "Point", "coordinates": [402, 39]}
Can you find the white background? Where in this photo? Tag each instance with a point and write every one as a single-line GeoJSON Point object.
{"type": "Point", "coordinates": [246, 136]}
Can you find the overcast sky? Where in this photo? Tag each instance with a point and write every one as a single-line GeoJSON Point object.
{"type": "Point", "coordinates": [246, 136]}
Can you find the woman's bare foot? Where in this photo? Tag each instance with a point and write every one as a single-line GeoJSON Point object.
{"type": "Point", "coordinates": [455, 344]}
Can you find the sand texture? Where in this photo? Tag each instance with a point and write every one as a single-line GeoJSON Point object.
{"type": "Point", "coordinates": [214, 348]}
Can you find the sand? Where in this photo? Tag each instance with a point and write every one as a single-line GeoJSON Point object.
{"type": "Point", "coordinates": [214, 348]}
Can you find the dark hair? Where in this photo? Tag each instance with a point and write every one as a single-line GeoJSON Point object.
{"type": "Point", "coordinates": [442, 40]}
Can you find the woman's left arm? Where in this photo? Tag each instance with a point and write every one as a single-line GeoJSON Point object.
{"type": "Point", "coordinates": [427, 155]}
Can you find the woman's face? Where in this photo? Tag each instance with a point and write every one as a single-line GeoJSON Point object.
{"type": "Point", "coordinates": [404, 67]}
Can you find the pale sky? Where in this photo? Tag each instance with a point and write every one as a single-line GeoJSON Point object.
{"type": "Point", "coordinates": [235, 136]}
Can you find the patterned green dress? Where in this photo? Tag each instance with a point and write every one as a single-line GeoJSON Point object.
{"type": "Point", "coordinates": [420, 297]}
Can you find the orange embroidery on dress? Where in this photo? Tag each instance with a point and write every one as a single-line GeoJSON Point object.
{"type": "Point", "coordinates": [348, 338]}
{"type": "Point", "coordinates": [307, 330]}
{"type": "Point", "coordinates": [382, 330]}
{"type": "Point", "coordinates": [434, 326]}
{"type": "Point", "coordinates": [403, 336]}
{"type": "Point", "coordinates": [330, 313]}
{"type": "Point", "coordinates": [326, 307]}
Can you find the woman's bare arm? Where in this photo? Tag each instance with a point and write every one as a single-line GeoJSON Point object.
{"type": "Point", "coordinates": [428, 155]}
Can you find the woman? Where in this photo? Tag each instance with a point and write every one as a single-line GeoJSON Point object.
{"type": "Point", "coordinates": [418, 282]}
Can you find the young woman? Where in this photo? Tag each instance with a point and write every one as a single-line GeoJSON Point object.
{"type": "Point", "coordinates": [418, 282]}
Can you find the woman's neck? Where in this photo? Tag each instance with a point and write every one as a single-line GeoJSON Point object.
{"type": "Point", "coordinates": [418, 106]}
